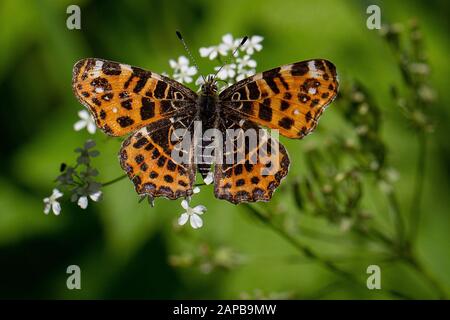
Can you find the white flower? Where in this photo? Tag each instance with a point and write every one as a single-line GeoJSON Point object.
{"type": "Point", "coordinates": [51, 202]}
{"type": "Point", "coordinates": [182, 72]}
{"type": "Point", "coordinates": [245, 62]}
{"type": "Point", "coordinates": [213, 51]}
{"type": "Point", "coordinates": [209, 178]}
{"type": "Point", "coordinates": [227, 71]}
{"type": "Point", "coordinates": [185, 76]}
{"type": "Point", "coordinates": [85, 122]}
{"type": "Point", "coordinates": [182, 63]}
{"type": "Point", "coordinates": [83, 200]}
{"type": "Point", "coordinates": [252, 44]}
{"type": "Point", "coordinates": [196, 190]}
{"type": "Point", "coordinates": [230, 44]}
{"type": "Point", "coordinates": [245, 74]}
{"type": "Point", "coordinates": [191, 214]}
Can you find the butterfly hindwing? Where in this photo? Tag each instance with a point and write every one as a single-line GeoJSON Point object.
{"type": "Point", "coordinates": [147, 157]}
{"type": "Point", "coordinates": [122, 98]}
{"type": "Point", "coordinates": [290, 98]}
{"type": "Point", "coordinates": [258, 172]}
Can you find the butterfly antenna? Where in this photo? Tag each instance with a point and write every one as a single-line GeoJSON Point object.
{"type": "Point", "coordinates": [244, 40]}
{"type": "Point", "coordinates": [189, 53]}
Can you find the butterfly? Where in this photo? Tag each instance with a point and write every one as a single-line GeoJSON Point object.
{"type": "Point", "coordinates": [150, 108]}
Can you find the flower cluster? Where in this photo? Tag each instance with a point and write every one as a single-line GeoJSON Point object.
{"type": "Point", "coordinates": [230, 67]}
{"type": "Point", "coordinates": [79, 181]}
{"type": "Point", "coordinates": [182, 72]}
{"type": "Point", "coordinates": [415, 71]}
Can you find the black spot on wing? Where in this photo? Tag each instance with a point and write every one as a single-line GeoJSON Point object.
{"type": "Point", "coordinates": [111, 68]}
{"type": "Point", "coordinates": [148, 109]}
{"type": "Point", "coordinates": [160, 89]}
{"type": "Point", "coordinates": [286, 123]}
{"type": "Point", "coordinates": [299, 68]}
{"type": "Point", "coordinates": [125, 121]}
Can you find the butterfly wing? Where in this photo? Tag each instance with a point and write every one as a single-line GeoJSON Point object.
{"type": "Point", "coordinates": [157, 162]}
{"type": "Point", "coordinates": [290, 98]}
{"type": "Point", "coordinates": [122, 98]}
{"type": "Point", "coordinates": [254, 175]}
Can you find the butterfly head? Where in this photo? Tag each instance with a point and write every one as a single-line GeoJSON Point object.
{"type": "Point", "coordinates": [210, 86]}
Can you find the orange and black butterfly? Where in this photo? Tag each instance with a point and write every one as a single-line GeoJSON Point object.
{"type": "Point", "coordinates": [129, 100]}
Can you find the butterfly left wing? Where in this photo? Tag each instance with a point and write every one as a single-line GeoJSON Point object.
{"type": "Point", "coordinates": [290, 98]}
{"type": "Point", "coordinates": [151, 158]}
{"type": "Point", "coordinates": [122, 98]}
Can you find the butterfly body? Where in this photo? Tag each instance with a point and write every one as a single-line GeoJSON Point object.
{"type": "Point", "coordinates": [152, 108]}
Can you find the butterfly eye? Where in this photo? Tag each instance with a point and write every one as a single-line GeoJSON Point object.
{"type": "Point", "coordinates": [236, 96]}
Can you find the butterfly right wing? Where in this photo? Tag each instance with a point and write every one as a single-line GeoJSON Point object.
{"type": "Point", "coordinates": [290, 98]}
{"type": "Point", "coordinates": [122, 98]}
{"type": "Point", "coordinates": [250, 171]}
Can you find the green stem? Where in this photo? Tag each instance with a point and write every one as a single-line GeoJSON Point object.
{"type": "Point", "coordinates": [398, 219]}
{"type": "Point", "coordinates": [418, 188]}
{"type": "Point", "coordinates": [413, 262]}
{"type": "Point", "coordinates": [114, 180]}
{"type": "Point", "coordinates": [311, 254]}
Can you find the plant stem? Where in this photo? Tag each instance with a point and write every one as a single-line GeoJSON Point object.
{"type": "Point", "coordinates": [398, 219]}
{"type": "Point", "coordinates": [114, 180]}
{"type": "Point", "coordinates": [413, 262]}
{"type": "Point", "coordinates": [312, 255]}
{"type": "Point", "coordinates": [418, 187]}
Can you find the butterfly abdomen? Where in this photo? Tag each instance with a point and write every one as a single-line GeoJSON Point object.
{"type": "Point", "coordinates": [207, 115]}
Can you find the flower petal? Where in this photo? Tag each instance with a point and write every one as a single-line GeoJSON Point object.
{"type": "Point", "coordinates": [196, 190]}
{"type": "Point", "coordinates": [199, 209]}
{"type": "Point", "coordinates": [56, 194]}
{"type": "Point", "coordinates": [183, 61]}
{"type": "Point", "coordinates": [204, 52]}
{"type": "Point", "coordinates": [80, 124]}
{"type": "Point", "coordinates": [209, 178]}
{"type": "Point", "coordinates": [83, 114]}
{"type": "Point", "coordinates": [83, 202]}
{"type": "Point", "coordinates": [183, 219]}
{"type": "Point", "coordinates": [228, 39]}
{"type": "Point", "coordinates": [95, 196]}
{"type": "Point", "coordinates": [173, 64]}
{"type": "Point", "coordinates": [185, 204]}
{"type": "Point", "coordinates": [213, 55]}
{"type": "Point", "coordinates": [196, 221]}
{"type": "Point", "coordinates": [56, 207]}
{"type": "Point", "coordinates": [91, 127]}
{"type": "Point", "coordinates": [47, 208]}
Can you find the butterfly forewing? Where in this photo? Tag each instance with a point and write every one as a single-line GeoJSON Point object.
{"type": "Point", "coordinates": [290, 98]}
{"type": "Point", "coordinates": [122, 98]}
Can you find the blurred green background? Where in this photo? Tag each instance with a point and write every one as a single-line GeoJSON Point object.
{"type": "Point", "coordinates": [124, 247]}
